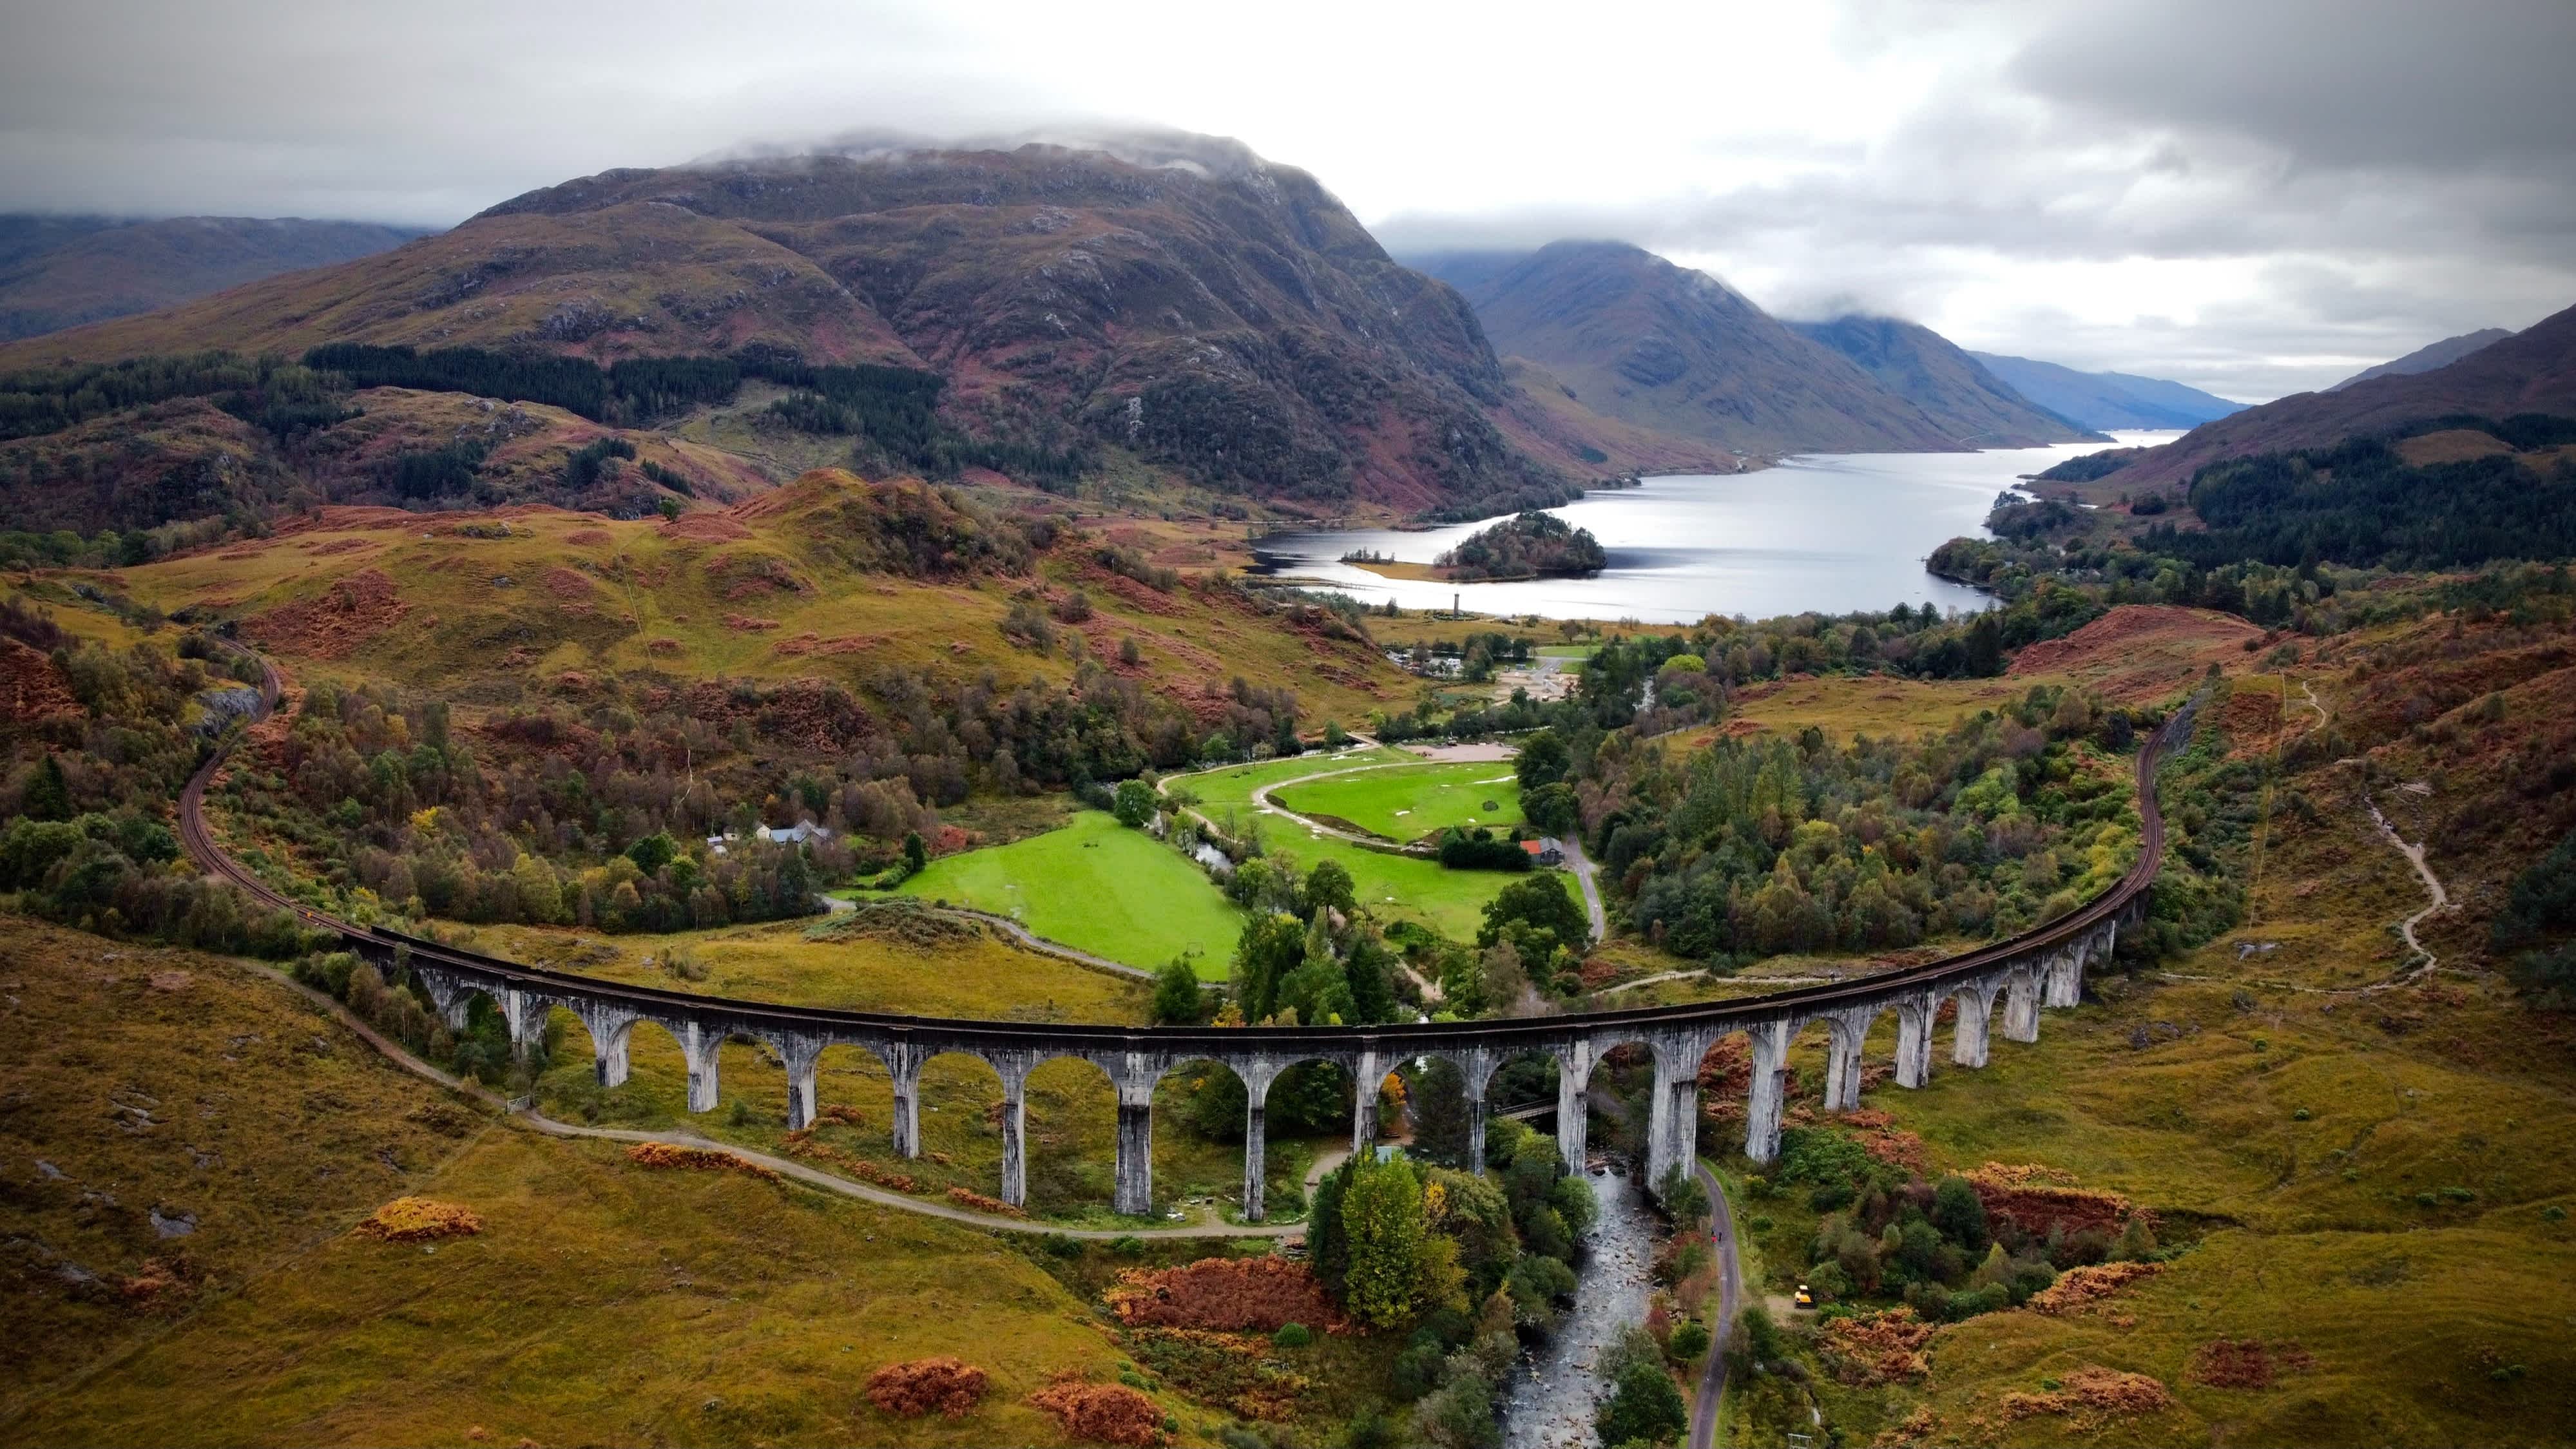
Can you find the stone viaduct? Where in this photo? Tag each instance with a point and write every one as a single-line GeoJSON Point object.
{"type": "Point", "coordinates": [2040, 969]}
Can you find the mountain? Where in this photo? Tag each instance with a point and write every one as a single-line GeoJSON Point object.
{"type": "Point", "coordinates": [2533, 371]}
{"type": "Point", "coordinates": [63, 271]}
{"type": "Point", "coordinates": [1930, 371]}
{"type": "Point", "coordinates": [2103, 401]}
{"type": "Point", "coordinates": [2426, 358]}
{"type": "Point", "coordinates": [1181, 300]}
{"type": "Point", "coordinates": [1634, 337]}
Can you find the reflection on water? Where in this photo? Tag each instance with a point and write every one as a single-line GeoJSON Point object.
{"type": "Point", "coordinates": [1832, 533]}
{"type": "Point", "coordinates": [1555, 1391]}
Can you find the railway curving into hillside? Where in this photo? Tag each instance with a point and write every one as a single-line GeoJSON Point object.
{"type": "Point", "coordinates": [2035, 970]}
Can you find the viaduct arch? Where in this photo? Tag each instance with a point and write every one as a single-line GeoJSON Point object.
{"type": "Point", "coordinates": [2042, 968]}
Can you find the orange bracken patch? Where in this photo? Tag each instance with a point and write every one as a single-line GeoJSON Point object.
{"type": "Point", "coordinates": [2077, 1287]}
{"type": "Point", "coordinates": [702, 1159]}
{"type": "Point", "coordinates": [418, 1220]}
{"type": "Point", "coordinates": [335, 623]}
{"type": "Point", "coordinates": [1229, 1295]}
{"type": "Point", "coordinates": [1102, 1413]}
{"type": "Point", "coordinates": [945, 1386]}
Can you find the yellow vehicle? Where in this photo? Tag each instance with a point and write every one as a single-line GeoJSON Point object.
{"type": "Point", "coordinates": [1805, 1299]}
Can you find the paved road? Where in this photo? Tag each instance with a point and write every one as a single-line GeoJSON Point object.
{"type": "Point", "coordinates": [1730, 1295]}
{"type": "Point", "coordinates": [1581, 865]}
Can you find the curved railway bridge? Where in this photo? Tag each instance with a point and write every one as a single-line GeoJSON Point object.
{"type": "Point", "coordinates": [2036, 970]}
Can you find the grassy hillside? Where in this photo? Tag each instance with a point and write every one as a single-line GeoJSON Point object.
{"type": "Point", "coordinates": [770, 591]}
{"type": "Point", "coordinates": [184, 1085]}
{"type": "Point", "coordinates": [2347, 1147]}
{"type": "Point", "coordinates": [1097, 886]}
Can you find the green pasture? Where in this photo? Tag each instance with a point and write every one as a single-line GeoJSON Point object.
{"type": "Point", "coordinates": [1231, 786]}
{"type": "Point", "coordinates": [1096, 886]}
{"type": "Point", "coordinates": [1407, 802]}
{"type": "Point", "coordinates": [1394, 887]}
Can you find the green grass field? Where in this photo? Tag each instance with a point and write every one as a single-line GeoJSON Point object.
{"type": "Point", "coordinates": [1451, 902]}
{"type": "Point", "coordinates": [1394, 887]}
{"type": "Point", "coordinates": [1408, 802]}
{"type": "Point", "coordinates": [1098, 887]}
{"type": "Point", "coordinates": [1230, 787]}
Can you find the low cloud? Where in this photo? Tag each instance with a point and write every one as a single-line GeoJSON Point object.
{"type": "Point", "coordinates": [2252, 198]}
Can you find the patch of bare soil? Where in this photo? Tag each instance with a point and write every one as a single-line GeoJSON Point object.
{"type": "Point", "coordinates": [335, 623]}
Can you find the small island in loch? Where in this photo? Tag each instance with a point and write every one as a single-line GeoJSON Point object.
{"type": "Point", "coordinates": [1527, 546]}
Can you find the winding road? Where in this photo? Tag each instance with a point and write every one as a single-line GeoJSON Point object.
{"type": "Point", "coordinates": [733, 1015]}
{"type": "Point", "coordinates": [1575, 860]}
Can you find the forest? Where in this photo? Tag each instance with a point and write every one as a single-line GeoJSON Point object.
{"type": "Point", "coordinates": [2359, 503]}
{"type": "Point", "coordinates": [1750, 848]}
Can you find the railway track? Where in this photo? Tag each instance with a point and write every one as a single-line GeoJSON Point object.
{"type": "Point", "coordinates": [202, 845]}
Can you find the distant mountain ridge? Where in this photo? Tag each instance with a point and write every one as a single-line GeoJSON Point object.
{"type": "Point", "coordinates": [67, 271]}
{"type": "Point", "coordinates": [2428, 357]}
{"type": "Point", "coordinates": [1953, 388]}
{"type": "Point", "coordinates": [1233, 322]}
{"type": "Point", "coordinates": [2533, 371]}
{"type": "Point", "coordinates": [2104, 401]}
{"type": "Point", "coordinates": [1634, 337]}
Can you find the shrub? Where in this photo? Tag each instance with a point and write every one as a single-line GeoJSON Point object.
{"type": "Point", "coordinates": [418, 1220]}
{"type": "Point", "coordinates": [1688, 1342]}
{"type": "Point", "coordinates": [1644, 1407]}
{"type": "Point", "coordinates": [1233, 1295]}
{"type": "Point", "coordinates": [926, 1385]}
{"type": "Point", "coordinates": [1178, 1001]}
{"type": "Point", "coordinates": [703, 1159]}
{"type": "Point", "coordinates": [1103, 1413]}
{"type": "Point", "coordinates": [1293, 1335]}
{"type": "Point", "coordinates": [1133, 803]}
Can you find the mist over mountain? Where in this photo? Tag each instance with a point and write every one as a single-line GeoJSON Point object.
{"type": "Point", "coordinates": [2429, 356]}
{"type": "Point", "coordinates": [64, 271]}
{"type": "Point", "coordinates": [1233, 322]}
{"type": "Point", "coordinates": [2103, 401]}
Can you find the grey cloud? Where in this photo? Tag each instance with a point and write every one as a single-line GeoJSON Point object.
{"type": "Point", "coordinates": [2366, 84]}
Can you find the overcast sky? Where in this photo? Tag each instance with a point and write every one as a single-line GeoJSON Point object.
{"type": "Point", "coordinates": [2252, 197]}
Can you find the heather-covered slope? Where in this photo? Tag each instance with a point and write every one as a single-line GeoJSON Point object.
{"type": "Point", "coordinates": [2533, 371]}
{"type": "Point", "coordinates": [1204, 310]}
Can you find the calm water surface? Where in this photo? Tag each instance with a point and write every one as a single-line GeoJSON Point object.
{"type": "Point", "coordinates": [1831, 533]}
